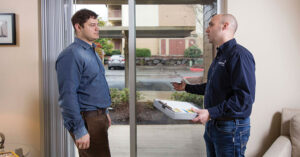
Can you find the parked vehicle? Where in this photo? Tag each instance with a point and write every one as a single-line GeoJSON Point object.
{"type": "Point", "coordinates": [116, 61]}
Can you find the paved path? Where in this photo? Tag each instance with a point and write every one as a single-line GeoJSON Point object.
{"type": "Point", "coordinates": [159, 141]}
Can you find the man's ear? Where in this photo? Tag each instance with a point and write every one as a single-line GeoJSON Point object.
{"type": "Point", "coordinates": [225, 26]}
{"type": "Point", "coordinates": [77, 27]}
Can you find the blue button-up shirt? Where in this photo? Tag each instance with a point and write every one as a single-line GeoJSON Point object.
{"type": "Point", "coordinates": [82, 84]}
{"type": "Point", "coordinates": [230, 87]}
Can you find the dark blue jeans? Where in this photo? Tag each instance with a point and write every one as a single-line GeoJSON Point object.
{"type": "Point", "coordinates": [227, 138]}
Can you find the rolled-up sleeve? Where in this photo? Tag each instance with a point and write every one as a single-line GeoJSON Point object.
{"type": "Point", "coordinates": [69, 69]}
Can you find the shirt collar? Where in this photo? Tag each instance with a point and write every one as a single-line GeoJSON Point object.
{"type": "Point", "coordinates": [84, 44]}
{"type": "Point", "coordinates": [227, 45]}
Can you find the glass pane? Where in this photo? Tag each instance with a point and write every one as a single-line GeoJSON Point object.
{"type": "Point", "coordinates": [169, 49]}
{"type": "Point", "coordinates": [110, 48]}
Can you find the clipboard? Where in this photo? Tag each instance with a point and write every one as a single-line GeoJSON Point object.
{"type": "Point", "coordinates": [178, 110]}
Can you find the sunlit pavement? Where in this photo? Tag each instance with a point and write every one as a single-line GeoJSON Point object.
{"type": "Point", "coordinates": [158, 70]}
{"type": "Point", "coordinates": [151, 78]}
{"type": "Point", "coordinates": [159, 140]}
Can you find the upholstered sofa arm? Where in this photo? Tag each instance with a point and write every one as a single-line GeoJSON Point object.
{"type": "Point", "coordinates": [282, 147]}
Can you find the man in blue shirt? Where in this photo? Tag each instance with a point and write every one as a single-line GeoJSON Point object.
{"type": "Point", "coordinates": [83, 91]}
{"type": "Point", "coordinates": [229, 91]}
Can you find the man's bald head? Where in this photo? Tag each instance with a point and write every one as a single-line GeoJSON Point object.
{"type": "Point", "coordinates": [221, 28]}
{"type": "Point", "coordinates": [230, 19]}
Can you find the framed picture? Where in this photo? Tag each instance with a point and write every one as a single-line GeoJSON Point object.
{"type": "Point", "coordinates": [7, 29]}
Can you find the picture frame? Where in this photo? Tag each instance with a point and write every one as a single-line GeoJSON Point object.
{"type": "Point", "coordinates": [7, 29]}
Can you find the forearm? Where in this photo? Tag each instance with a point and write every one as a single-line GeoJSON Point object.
{"type": "Point", "coordinates": [196, 89]}
{"type": "Point", "coordinates": [73, 121]}
{"type": "Point", "coordinates": [239, 105]}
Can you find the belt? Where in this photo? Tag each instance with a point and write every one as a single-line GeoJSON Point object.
{"type": "Point", "coordinates": [93, 112]}
{"type": "Point", "coordinates": [227, 118]}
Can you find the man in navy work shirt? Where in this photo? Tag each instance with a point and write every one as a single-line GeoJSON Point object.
{"type": "Point", "coordinates": [83, 91]}
{"type": "Point", "coordinates": [229, 91]}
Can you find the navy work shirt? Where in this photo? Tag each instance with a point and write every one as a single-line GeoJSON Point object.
{"type": "Point", "coordinates": [230, 87]}
{"type": "Point", "coordinates": [82, 84]}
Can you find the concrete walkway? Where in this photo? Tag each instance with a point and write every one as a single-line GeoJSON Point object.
{"type": "Point", "coordinates": [159, 140]}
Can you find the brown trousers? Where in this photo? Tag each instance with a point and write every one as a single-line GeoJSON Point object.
{"type": "Point", "coordinates": [96, 123]}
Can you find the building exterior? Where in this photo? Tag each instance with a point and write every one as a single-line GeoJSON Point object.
{"type": "Point", "coordinates": [158, 15]}
{"type": "Point", "coordinates": [115, 19]}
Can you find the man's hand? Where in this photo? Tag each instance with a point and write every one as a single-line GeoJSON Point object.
{"type": "Point", "coordinates": [203, 116]}
{"type": "Point", "coordinates": [109, 120]}
{"type": "Point", "coordinates": [83, 142]}
{"type": "Point", "coordinates": [179, 86]}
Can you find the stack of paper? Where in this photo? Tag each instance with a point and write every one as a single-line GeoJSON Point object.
{"type": "Point", "coordinates": [176, 109]}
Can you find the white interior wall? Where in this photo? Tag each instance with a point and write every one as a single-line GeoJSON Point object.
{"type": "Point", "coordinates": [270, 30]}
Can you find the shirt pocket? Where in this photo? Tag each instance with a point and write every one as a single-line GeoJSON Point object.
{"type": "Point", "coordinates": [91, 70]}
{"type": "Point", "coordinates": [221, 74]}
{"type": "Point", "coordinates": [221, 68]}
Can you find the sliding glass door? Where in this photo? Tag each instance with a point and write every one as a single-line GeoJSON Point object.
{"type": "Point", "coordinates": [169, 48]}
{"type": "Point", "coordinates": [144, 46]}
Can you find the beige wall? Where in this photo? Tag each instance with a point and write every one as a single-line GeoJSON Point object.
{"type": "Point", "coordinates": [20, 78]}
{"type": "Point", "coordinates": [146, 15]}
{"type": "Point", "coordinates": [270, 30]}
{"type": "Point", "coordinates": [162, 15]}
{"type": "Point", "coordinates": [150, 43]}
{"type": "Point", "coordinates": [176, 15]}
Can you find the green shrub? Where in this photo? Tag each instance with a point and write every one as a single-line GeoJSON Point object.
{"type": "Point", "coordinates": [188, 97]}
{"type": "Point", "coordinates": [143, 52]}
{"type": "Point", "coordinates": [192, 52]}
{"type": "Point", "coordinates": [115, 52]}
{"type": "Point", "coordinates": [108, 53]}
{"type": "Point", "coordinates": [121, 97]}
{"type": "Point", "coordinates": [106, 45]}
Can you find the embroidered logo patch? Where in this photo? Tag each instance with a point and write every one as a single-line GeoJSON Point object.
{"type": "Point", "coordinates": [222, 63]}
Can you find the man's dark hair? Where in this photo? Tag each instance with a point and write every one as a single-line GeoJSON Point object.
{"type": "Point", "coordinates": [82, 16]}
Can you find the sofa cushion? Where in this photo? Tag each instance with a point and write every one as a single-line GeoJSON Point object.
{"type": "Point", "coordinates": [295, 135]}
{"type": "Point", "coordinates": [287, 115]}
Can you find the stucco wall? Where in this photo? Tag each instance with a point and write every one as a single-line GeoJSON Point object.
{"type": "Point", "coordinates": [150, 43]}
{"type": "Point", "coordinates": [146, 15]}
{"type": "Point", "coordinates": [20, 79]}
{"type": "Point", "coordinates": [177, 15]}
{"type": "Point", "coordinates": [270, 30]}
